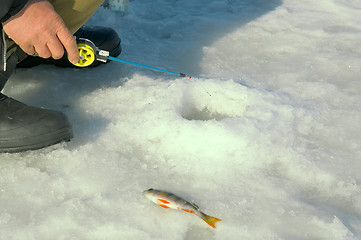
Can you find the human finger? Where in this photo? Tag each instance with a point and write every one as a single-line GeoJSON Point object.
{"type": "Point", "coordinates": [69, 44]}
{"type": "Point", "coordinates": [43, 51]}
{"type": "Point", "coordinates": [28, 49]}
{"type": "Point", "coordinates": [55, 47]}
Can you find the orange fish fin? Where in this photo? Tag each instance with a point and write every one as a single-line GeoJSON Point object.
{"type": "Point", "coordinates": [164, 206]}
{"type": "Point", "coordinates": [211, 220]}
{"type": "Point", "coordinates": [163, 201]}
{"type": "Point", "coordinates": [186, 210]}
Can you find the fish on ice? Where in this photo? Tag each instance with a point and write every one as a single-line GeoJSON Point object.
{"type": "Point", "coordinates": [171, 201]}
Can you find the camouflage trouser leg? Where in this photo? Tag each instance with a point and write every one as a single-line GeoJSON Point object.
{"type": "Point", "coordinates": [74, 13]}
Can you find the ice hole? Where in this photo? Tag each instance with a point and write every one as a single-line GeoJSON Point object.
{"type": "Point", "coordinates": [203, 115]}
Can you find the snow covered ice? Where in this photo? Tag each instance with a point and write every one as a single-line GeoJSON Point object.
{"type": "Point", "coordinates": [265, 136]}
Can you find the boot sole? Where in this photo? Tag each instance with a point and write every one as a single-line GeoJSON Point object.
{"type": "Point", "coordinates": [34, 143]}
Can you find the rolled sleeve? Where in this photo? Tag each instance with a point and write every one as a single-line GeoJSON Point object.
{"type": "Point", "coordinates": [10, 8]}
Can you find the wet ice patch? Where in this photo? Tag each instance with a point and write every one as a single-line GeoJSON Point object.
{"type": "Point", "coordinates": [117, 5]}
{"type": "Point", "coordinates": [207, 100]}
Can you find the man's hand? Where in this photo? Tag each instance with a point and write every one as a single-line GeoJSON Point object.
{"type": "Point", "coordinates": [39, 29]}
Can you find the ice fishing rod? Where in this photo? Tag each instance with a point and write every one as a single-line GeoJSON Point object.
{"type": "Point", "coordinates": [89, 53]}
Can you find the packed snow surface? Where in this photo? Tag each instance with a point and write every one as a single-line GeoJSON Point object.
{"type": "Point", "coordinates": [266, 135]}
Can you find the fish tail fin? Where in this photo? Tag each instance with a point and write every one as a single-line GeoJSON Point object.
{"type": "Point", "coordinates": [210, 220]}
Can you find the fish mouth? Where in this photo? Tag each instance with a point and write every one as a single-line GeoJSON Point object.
{"type": "Point", "coordinates": [149, 190]}
{"type": "Point", "coordinates": [146, 192]}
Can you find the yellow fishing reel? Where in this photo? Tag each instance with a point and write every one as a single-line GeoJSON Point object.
{"type": "Point", "coordinates": [88, 53]}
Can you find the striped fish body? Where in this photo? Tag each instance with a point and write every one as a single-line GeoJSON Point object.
{"type": "Point", "coordinates": [171, 201]}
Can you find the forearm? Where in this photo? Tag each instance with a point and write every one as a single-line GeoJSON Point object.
{"type": "Point", "coordinates": [10, 8]}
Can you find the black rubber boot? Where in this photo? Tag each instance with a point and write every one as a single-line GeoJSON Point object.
{"type": "Point", "coordinates": [103, 37]}
{"type": "Point", "coordinates": [27, 128]}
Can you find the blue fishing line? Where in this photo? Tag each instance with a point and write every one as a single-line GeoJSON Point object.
{"type": "Point", "coordinates": [145, 66]}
